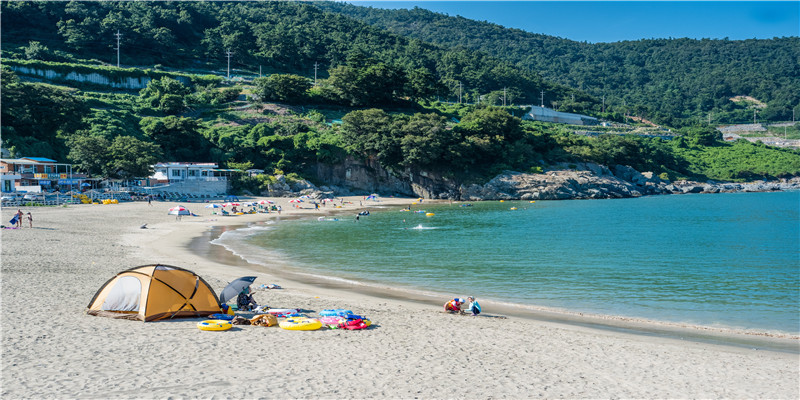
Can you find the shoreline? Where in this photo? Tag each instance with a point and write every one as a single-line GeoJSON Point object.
{"type": "Point", "coordinates": [784, 342]}
{"type": "Point", "coordinates": [412, 350]}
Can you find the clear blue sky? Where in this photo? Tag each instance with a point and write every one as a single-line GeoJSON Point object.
{"type": "Point", "coordinates": [612, 21]}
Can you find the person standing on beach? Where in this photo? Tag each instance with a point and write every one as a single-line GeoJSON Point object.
{"type": "Point", "coordinates": [150, 200]}
{"type": "Point", "coordinates": [19, 218]}
{"type": "Point", "coordinates": [279, 210]}
{"type": "Point", "coordinates": [30, 219]}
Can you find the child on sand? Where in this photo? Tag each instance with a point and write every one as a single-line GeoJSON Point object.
{"type": "Point", "coordinates": [473, 307]}
{"type": "Point", "coordinates": [453, 305]}
{"type": "Point", "coordinates": [30, 220]}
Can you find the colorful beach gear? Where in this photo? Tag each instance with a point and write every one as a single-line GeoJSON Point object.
{"type": "Point", "coordinates": [214, 325]}
{"type": "Point", "coordinates": [336, 312]}
{"type": "Point", "coordinates": [301, 324]}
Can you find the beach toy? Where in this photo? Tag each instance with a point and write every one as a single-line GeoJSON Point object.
{"type": "Point", "coordinates": [214, 325]}
{"type": "Point", "coordinates": [284, 312]}
{"type": "Point", "coordinates": [429, 214]}
{"type": "Point", "coordinates": [301, 324]}
{"type": "Point", "coordinates": [224, 317]}
{"type": "Point", "coordinates": [513, 208]}
{"type": "Point", "coordinates": [338, 312]}
{"type": "Point", "coordinates": [332, 322]}
{"type": "Point", "coordinates": [353, 324]}
{"type": "Point", "coordinates": [352, 317]}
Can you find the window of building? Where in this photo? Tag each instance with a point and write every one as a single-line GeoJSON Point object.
{"type": "Point", "coordinates": [176, 172]}
{"type": "Point", "coordinates": [192, 173]}
{"type": "Point", "coordinates": [203, 173]}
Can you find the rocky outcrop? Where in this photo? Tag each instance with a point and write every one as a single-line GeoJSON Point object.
{"type": "Point", "coordinates": [581, 181]}
{"type": "Point", "coordinates": [591, 181]}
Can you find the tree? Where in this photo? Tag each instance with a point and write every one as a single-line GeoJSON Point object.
{"type": "Point", "coordinates": [36, 51]}
{"type": "Point", "coordinates": [282, 87]}
{"type": "Point", "coordinates": [373, 133]}
{"type": "Point", "coordinates": [90, 153]}
{"type": "Point", "coordinates": [166, 95]}
{"type": "Point", "coordinates": [132, 158]}
{"type": "Point", "coordinates": [178, 137]}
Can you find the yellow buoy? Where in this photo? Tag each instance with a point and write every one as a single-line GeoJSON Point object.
{"type": "Point", "coordinates": [513, 208]}
{"type": "Point", "coordinates": [429, 214]}
{"type": "Point", "coordinates": [533, 201]}
{"type": "Point", "coordinates": [502, 201]}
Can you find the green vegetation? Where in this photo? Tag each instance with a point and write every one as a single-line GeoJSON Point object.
{"type": "Point", "coordinates": [669, 81]}
{"type": "Point", "coordinates": [377, 97]}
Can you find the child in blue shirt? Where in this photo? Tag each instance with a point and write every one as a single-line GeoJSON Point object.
{"type": "Point", "coordinates": [474, 307]}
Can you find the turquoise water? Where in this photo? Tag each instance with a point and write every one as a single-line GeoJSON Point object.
{"type": "Point", "coordinates": [722, 260]}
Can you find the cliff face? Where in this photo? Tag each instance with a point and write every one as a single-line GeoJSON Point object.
{"type": "Point", "coordinates": [587, 181]}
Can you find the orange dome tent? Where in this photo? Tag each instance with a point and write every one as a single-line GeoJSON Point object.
{"type": "Point", "coordinates": [154, 292]}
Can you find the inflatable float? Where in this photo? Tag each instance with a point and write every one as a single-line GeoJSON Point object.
{"type": "Point", "coordinates": [354, 324]}
{"type": "Point", "coordinates": [224, 317]}
{"type": "Point", "coordinates": [429, 214]}
{"type": "Point", "coordinates": [214, 325]}
{"type": "Point", "coordinates": [284, 312]}
{"type": "Point", "coordinates": [337, 312]}
{"type": "Point", "coordinates": [332, 322]}
{"type": "Point", "coordinates": [300, 324]}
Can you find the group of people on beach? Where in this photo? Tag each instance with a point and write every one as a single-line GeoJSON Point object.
{"type": "Point", "coordinates": [18, 216]}
{"type": "Point", "coordinates": [454, 306]}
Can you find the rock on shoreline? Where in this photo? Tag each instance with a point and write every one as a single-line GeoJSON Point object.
{"type": "Point", "coordinates": [581, 181]}
{"type": "Point", "coordinates": [597, 182]}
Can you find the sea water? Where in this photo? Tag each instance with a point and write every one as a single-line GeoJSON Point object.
{"type": "Point", "coordinates": [722, 260]}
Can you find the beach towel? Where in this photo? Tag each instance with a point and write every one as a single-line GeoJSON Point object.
{"type": "Point", "coordinates": [264, 320]}
{"type": "Point", "coordinates": [14, 220]}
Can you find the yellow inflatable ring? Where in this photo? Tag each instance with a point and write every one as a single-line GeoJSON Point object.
{"type": "Point", "coordinates": [301, 324]}
{"type": "Point", "coordinates": [214, 325]}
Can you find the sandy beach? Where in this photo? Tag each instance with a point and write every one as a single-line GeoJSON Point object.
{"type": "Point", "coordinates": [52, 349]}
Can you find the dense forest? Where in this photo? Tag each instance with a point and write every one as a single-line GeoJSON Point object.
{"type": "Point", "coordinates": [674, 82]}
{"type": "Point", "coordinates": [283, 37]}
{"type": "Point", "coordinates": [376, 96]}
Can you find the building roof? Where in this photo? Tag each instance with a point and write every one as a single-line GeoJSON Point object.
{"type": "Point", "coordinates": [186, 164]}
{"type": "Point", "coordinates": [39, 159]}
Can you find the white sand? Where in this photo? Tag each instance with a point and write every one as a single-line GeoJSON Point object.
{"type": "Point", "coordinates": [52, 349]}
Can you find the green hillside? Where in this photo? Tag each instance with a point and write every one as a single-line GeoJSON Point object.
{"type": "Point", "coordinates": [376, 96]}
{"type": "Point", "coordinates": [671, 81]}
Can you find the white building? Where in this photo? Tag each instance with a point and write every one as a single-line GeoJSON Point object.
{"type": "Point", "coordinates": [168, 172]}
{"type": "Point", "coordinates": [190, 178]}
{"type": "Point", "coordinates": [547, 115]}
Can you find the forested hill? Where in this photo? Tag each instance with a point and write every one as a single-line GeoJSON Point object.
{"type": "Point", "coordinates": [284, 37]}
{"type": "Point", "coordinates": [671, 81]}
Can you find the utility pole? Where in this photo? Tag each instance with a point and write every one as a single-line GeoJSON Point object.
{"type": "Point", "coordinates": [228, 53]}
{"type": "Point", "coordinates": [604, 103]}
{"type": "Point", "coordinates": [504, 97]}
{"type": "Point", "coordinates": [118, 35]}
{"type": "Point", "coordinates": [542, 98]}
{"type": "Point", "coordinates": [460, 88]}
{"type": "Point", "coordinates": [259, 71]}
{"type": "Point", "coordinates": [316, 65]}
{"type": "Point", "coordinates": [754, 115]}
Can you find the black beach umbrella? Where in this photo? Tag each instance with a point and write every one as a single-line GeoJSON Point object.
{"type": "Point", "coordinates": [234, 288]}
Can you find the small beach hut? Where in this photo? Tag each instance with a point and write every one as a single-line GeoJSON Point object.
{"type": "Point", "coordinates": [154, 292]}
